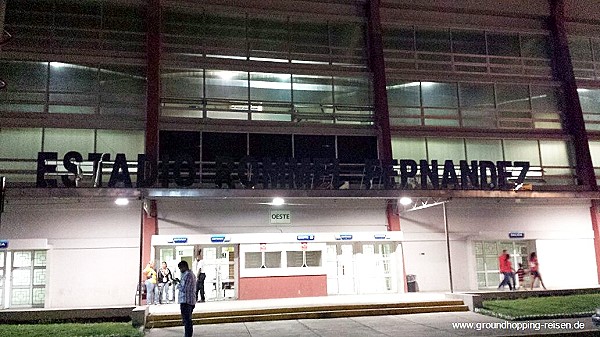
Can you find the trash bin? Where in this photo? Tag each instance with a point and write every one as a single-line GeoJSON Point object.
{"type": "Point", "coordinates": [411, 283]}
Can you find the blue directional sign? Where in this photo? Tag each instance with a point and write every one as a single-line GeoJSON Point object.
{"type": "Point", "coordinates": [305, 237]}
{"type": "Point", "coordinates": [3, 244]}
{"type": "Point", "coordinates": [381, 237]}
{"type": "Point", "coordinates": [516, 235]}
{"type": "Point", "coordinates": [180, 240]}
{"type": "Point", "coordinates": [219, 238]}
{"type": "Point", "coordinates": [343, 237]}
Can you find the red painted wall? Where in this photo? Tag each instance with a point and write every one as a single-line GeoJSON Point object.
{"type": "Point", "coordinates": [252, 288]}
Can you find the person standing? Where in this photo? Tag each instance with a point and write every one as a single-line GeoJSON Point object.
{"type": "Point", "coordinates": [187, 297]}
{"type": "Point", "coordinates": [198, 266]}
{"type": "Point", "coordinates": [534, 269]}
{"type": "Point", "coordinates": [149, 275]}
{"type": "Point", "coordinates": [165, 280]}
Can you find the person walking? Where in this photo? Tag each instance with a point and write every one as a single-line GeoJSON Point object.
{"type": "Point", "coordinates": [187, 297]}
{"type": "Point", "coordinates": [534, 269]}
{"type": "Point", "coordinates": [149, 275]}
{"type": "Point", "coordinates": [521, 276]}
{"type": "Point", "coordinates": [506, 270]}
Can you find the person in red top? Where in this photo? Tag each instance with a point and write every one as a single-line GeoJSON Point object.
{"type": "Point", "coordinates": [533, 268]}
{"type": "Point", "coordinates": [506, 269]}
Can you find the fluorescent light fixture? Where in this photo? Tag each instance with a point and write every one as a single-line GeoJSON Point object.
{"type": "Point", "coordinates": [58, 64]}
{"type": "Point", "coordinates": [277, 201]}
{"type": "Point", "coordinates": [226, 75]}
{"type": "Point", "coordinates": [122, 201]}
{"type": "Point", "coordinates": [405, 201]}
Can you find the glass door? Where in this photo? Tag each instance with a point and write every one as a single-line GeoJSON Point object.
{"type": "Point", "coordinates": [375, 269]}
{"type": "Point", "coordinates": [486, 259]}
{"type": "Point", "coordinates": [220, 269]}
{"type": "Point", "coordinates": [2, 277]}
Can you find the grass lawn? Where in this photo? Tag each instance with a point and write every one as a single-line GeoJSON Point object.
{"type": "Point", "coordinates": [545, 306]}
{"type": "Point", "coordinates": [70, 330]}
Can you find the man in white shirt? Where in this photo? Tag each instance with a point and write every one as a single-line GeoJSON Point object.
{"type": "Point", "coordinates": [198, 266]}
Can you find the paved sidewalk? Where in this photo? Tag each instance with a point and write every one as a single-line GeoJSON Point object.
{"type": "Point", "coordinates": [416, 325]}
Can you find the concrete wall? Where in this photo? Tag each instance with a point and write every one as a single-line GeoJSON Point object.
{"type": "Point", "coordinates": [562, 232]}
{"type": "Point", "coordinates": [93, 256]}
{"type": "Point", "coordinates": [229, 216]}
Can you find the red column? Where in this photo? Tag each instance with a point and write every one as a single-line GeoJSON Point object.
{"type": "Point", "coordinates": [149, 227]}
{"type": "Point", "coordinates": [393, 224]}
{"type": "Point", "coordinates": [574, 122]}
{"type": "Point", "coordinates": [595, 213]}
{"type": "Point", "coordinates": [153, 54]}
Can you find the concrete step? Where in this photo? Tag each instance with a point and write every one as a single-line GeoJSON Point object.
{"type": "Point", "coordinates": [308, 312]}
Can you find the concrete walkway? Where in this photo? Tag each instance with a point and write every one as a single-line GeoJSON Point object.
{"type": "Point", "coordinates": [416, 325]}
{"type": "Point", "coordinates": [413, 325]}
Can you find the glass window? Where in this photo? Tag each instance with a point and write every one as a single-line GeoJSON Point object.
{"type": "Point", "coordinates": [476, 95]}
{"type": "Point", "coordinates": [545, 98]}
{"type": "Point", "coordinates": [347, 41]}
{"type": "Point", "coordinates": [403, 93]}
{"type": "Point", "coordinates": [398, 38]}
{"type": "Point", "coordinates": [409, 148]}
{"type": "Point", "coordinates": [232, 85]}
{"type": "Point", "coordinates": [272, 146]}
{"type": "Point", "coordinates": [129, 142]}
{"type": "Point", "coordinates": [176, 143]}
{"type": "Point", "coordinates": [182, 84]}
{"type": "Point", "coordinates": [24, 76]}
{"type": "Point", "coordinates": [20, 143]}
{"type": "Point", "coordinates": [500, 44]}
{"type": "Point", "coordinates": [434, 41]}
{"type": "Point", "coordinates": [512, 97]}
{"type": "Point", "coordinates": [352, 90]}
{"type": "Point", "coordinates": [273, 259]}
{"type": "Point", "coordinates": [484, 149]}
{"type": "Point", "coordinates": [580, 48]}
{"type": "Point", "coordinates": [67, 77]}
{"type": "Point", "coordinates": [313, 258]}
{"type": "Point", "coordinates": [225, 35]}
{"type": "Point", "coordinates": [313, 89]}
{"type": "Point", "coordinates": [442, 149]}
{"type": "Point", "coordinates": [554, 153]}
{"type": "Point", "coordinates": [253, 260]}
{"type": "Point", "coordinates": [356, 149]}
{"type": "Point", "coordinates": [537, 46]}
{"type": "Point", "coordinates": [468, 42]}
{"type": "Point", "coordinates": [65, 140]}
{"type": "Point", "coordinates": [295, 259]}
{"type": "Point", "coordinates": [268, 87]}
{"type": "Point", "coordinates": [590, 100]}
{"type": "Point", "coordinates": [309, 42]}
{"type": "Point", "coordinates": [268, 39]}
{"type": "Point", "coordinates": [522, 150]}
{"type": "Point", "coordinates": [231, 145]}
{"type": "Point", "coordinates": [123, 89]}
{"type": "Point", "coordinates": [437, 94]}
{"type": "Point", "coordinates": [595, 152]}
{"type": "Point", "coordinates": [314, 146]}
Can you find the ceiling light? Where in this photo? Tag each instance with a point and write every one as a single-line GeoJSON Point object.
{"type": "Point", "coordinates": [277, 201]}
{"type": "Point", "coordinates": [122, 201]}
{"type": "Point", "coordinates": [405, 201]}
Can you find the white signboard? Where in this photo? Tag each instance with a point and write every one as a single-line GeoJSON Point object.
{"type": "Point", "coordinates": [279, 216]}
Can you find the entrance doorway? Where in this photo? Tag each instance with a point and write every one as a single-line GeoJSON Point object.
{"type": "Point", "coordinates": [361, 268]}
{"type": "Point", "coordinates": [486, 259]}
{"type": "Point", "coordinates": [220, 267]}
